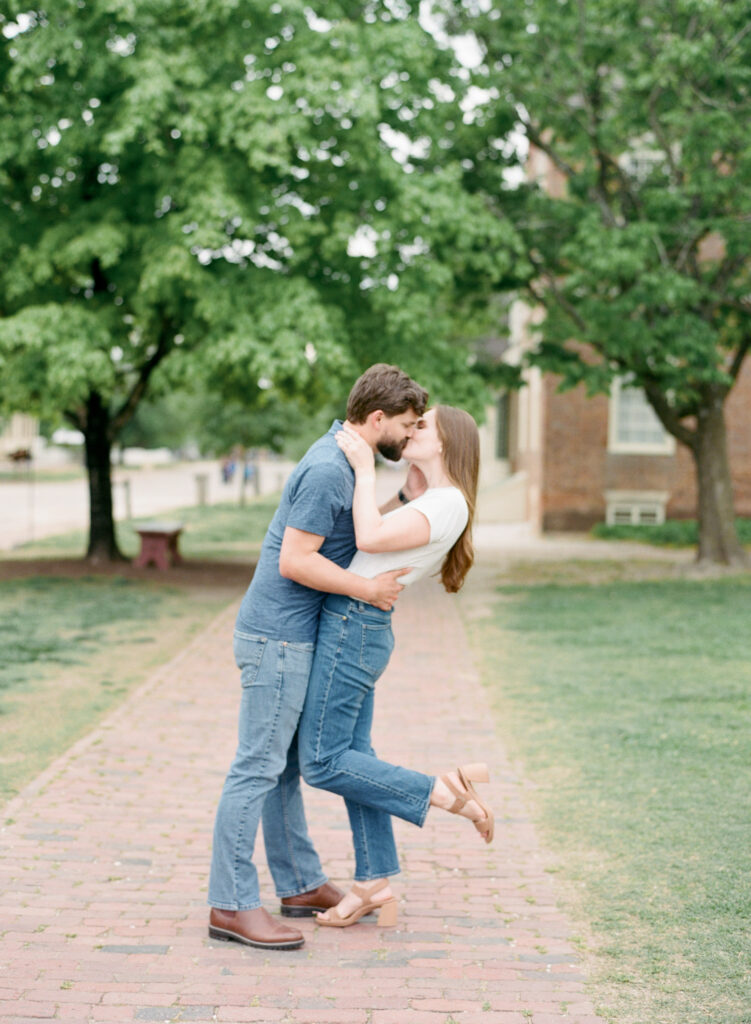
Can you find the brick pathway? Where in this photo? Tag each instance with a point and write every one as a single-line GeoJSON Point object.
{"type": "Point", "coordinates": [103, 865]}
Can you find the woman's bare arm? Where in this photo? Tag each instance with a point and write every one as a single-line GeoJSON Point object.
{"type": "Point", "coordinates": [374, 533]}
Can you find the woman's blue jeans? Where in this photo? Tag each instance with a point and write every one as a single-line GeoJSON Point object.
{"type": "Point", "coordinates": [264, 780]}
{"type": "Point", "coordinates": [353, 648]}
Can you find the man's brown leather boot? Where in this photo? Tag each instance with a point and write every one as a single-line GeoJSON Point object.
{"type": "Point", "coordinates": [254, 928]}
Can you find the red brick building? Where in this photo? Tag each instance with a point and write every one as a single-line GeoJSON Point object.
{"type": "Point", "coordinates": [564, 461]}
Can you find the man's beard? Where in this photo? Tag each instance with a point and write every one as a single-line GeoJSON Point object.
{"type": "Point", "coordinates": [391, 450]}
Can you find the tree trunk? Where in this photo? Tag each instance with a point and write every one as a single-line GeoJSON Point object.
{"type": "Point", "coordinates": [102, 542]}
{"type": "Point", "coordinates": [718, 538]}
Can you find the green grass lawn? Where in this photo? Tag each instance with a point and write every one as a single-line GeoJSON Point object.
{"type": "Point", "coordinates": [228, 530]}
{"type": "Point", "coordinates": [629, 706]}
{"type": "Point", "coordinates": [74, 646]}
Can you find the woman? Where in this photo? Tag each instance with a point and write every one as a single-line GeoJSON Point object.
{"type": "Point", "coordinates": [354, 645]}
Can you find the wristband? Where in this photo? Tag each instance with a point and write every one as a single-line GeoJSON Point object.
{"type": "Point", "coordinates": [402, 497]}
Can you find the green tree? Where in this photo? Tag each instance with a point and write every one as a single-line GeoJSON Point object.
{"type": "Point", "coordinates": [641, 257]}
{"type": "Point", "coordinates": [213, 423]}
{"type": "Point", "coordinates": [183, 191]}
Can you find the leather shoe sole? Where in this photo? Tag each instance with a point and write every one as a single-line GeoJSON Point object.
{"type": "Point", "coordinates": [321, 899]}
{"type": "Point", "coordinates": [300, 911]}
{"type": "Point", "coordinates": [225, 935]}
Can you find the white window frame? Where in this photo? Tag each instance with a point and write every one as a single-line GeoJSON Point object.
{"type": "Point", "coordinates": [664, 447]}
{"type": "Point", "coordinates": [635, 508]}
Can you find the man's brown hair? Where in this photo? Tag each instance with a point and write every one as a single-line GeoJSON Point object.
{"type": "Point", "coordinates": [386, 388]}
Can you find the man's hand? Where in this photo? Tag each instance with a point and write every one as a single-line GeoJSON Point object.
{"type": "Point", "coordinates": [386, 588]}
{"type": "Point", "coordinates": [415, 484]}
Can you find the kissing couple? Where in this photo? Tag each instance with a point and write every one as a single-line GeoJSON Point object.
{"type": "Point", "coordinates": [313, 635]}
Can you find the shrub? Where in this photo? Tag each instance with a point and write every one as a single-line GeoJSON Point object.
{"type": "Point", "coordinates": [674, 533]}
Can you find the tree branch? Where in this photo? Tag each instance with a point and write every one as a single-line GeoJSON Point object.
{"type": "Point", "coordinates": [76, 417]}
{"type": "Point", "coordinates": [734, 41]}
{"type": "Point", "coordinates": [686, 250]}
{"type": "Point", "coordinates": [654, 122]}
{"type": "Point", "coordinates": [737, 304]}
{"type": "Point", "coordinates": [551, 287]}
{"type": "Point", "coordinates": [709, 102]}
{"type": "Point", "coordinates": [622, 177]}
{"type": "Point", "coordinates": [727, 268]}
{"type": "Point", "coordinates": [600, 196]}
{"type": "Point", "coordinates": [128, 408]}
{"type": "Point", "coordinates": [661, 251]}
{"type": "Point", "coordinates": [536, 139]}
{"type": "Point", "coordinates": [740, 355]}
{"type": "Point", "coordinates": [669, 418]}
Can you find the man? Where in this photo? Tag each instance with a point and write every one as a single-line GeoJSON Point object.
{"type": "Point", "coordinates": [308, 544]}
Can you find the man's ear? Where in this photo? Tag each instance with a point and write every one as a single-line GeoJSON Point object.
{"type": "Point", "coordinates": [375, 419]}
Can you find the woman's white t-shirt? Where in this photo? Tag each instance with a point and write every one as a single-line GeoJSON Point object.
{"type": "Point", "coordinates": [446, 510]}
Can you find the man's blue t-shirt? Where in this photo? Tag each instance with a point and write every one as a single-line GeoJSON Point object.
{"type": "Point", "coordinates": [317, 498]}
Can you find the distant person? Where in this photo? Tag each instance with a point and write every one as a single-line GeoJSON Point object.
{"type": "Point", "coordinates": [228, 469]}
{"type": "Point", "coordinates": [432, 531]}
{"type": "Point", "coordinates": [308, 544]}
{"type": "Point", "coordinates": [250, 472]}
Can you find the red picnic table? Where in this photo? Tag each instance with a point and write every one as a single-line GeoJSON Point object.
{"type": "Point", "coordinates": [159, 544]}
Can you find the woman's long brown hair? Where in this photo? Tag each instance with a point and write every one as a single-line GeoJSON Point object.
{"type": "Point", "coordinates": [461, 460]}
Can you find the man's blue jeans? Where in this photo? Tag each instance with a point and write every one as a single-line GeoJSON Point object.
{"type": "Point", "coordinates": [264, 780]}
{"type": "Point", "coordinates": [353, 648]}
